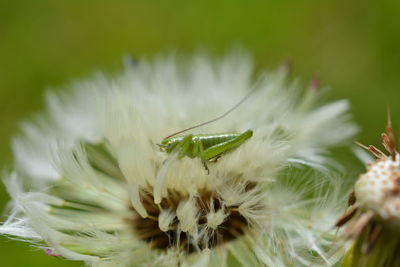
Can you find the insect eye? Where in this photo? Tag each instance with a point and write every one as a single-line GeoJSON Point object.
{"type": "Point", "coordinates": [164, 142]}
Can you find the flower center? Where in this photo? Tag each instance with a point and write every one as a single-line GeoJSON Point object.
{"type": "Point", "coordinates": [213, 223]}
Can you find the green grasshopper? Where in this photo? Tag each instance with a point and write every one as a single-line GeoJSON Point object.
{"type": "Point", "coordinates": [207, 147]}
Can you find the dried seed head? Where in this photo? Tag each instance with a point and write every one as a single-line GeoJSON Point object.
{"type": "Point", "coordinates": [373, 216]}
{"type": "Point", "coordinates": [379, 188]}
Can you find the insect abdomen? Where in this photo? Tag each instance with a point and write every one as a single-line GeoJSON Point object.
{"type": "Point", "coordinates": [210, 140]}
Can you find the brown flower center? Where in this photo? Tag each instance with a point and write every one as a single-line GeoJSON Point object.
{"type": "Point", "coordinates": [147, 229]}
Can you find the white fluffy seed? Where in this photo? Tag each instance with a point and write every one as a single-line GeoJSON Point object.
{"type": "Point", "coordinates": [214, 219]}
{"type": "Point", "coordinates": [187, 215]}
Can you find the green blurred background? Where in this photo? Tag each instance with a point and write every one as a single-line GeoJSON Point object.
{"type": "Point", "coordinates": [353, 46]}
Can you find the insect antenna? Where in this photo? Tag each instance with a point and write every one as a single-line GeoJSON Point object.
{"type": "Point", "coordinates": [219, 117]}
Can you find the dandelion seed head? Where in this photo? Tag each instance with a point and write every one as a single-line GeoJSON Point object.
{"type": "Point", "coordinates": [92, 184]}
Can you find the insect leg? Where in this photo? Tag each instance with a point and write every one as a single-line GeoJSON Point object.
{"type": "Point", "coordinates": [184, 146]}
{"type": "Point", "coordinates": [198, 149]}
{"type": "Point", "coordinates": [220, 148]}
{"type": "Point", "coordinates": [205, 166]}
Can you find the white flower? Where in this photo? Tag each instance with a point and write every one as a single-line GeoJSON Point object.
{"type": "Point", "coordinates": [91, 184]}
